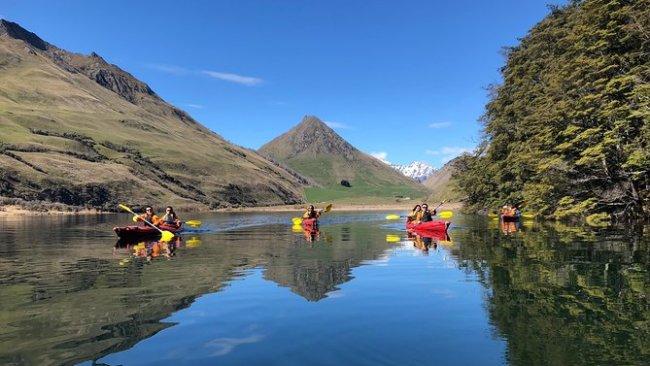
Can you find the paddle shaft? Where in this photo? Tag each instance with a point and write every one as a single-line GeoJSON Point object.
{"type": "Point", "coordinates": [136, 215]}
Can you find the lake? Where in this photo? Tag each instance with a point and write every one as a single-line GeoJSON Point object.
{"type": "Point", "coordinates": [250, 289]}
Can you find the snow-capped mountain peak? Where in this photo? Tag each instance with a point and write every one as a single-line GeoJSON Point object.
{"type": "Point", "coordinates": [417, 170]}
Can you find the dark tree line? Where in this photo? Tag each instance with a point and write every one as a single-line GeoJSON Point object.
{"type": "Point", "coordinates": [568, 130]}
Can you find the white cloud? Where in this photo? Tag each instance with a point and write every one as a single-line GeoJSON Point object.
{"type": "Point", "coordinates": [169, 69]}
{"type": "Point", "coordinates": [223, 346]}
{"type": "Point", "coordinates": [197, 106]}
{"type": "Point", "coordinates": [381, 156]}
{"type": "Point", "coordinates": [337, 125]}
{"type": "Point", "coordinates": [439, 124]}
{"type": "Point", "coordinates": [233, 78]}
{"type": "Point", "coordinates": [447, 153]}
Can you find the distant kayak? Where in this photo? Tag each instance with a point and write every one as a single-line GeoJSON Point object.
{"type": "Point", "coordinates": [310, 224]}
{"type": "Point", "coordinates": [141, 231]}
{"type": "Point", "coordinates": [436, 225]}
{"type": "Point", "coordinates": [510, 217]}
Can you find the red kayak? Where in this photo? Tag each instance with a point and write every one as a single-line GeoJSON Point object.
{"type": "Point", "coordinates": [435, 225]}
{"type": "Point", "coordinates": [431, 234]}
{"type": "Point", "coordinates": [310, 224]}
{"type": "Point", "coordinates": [142, 231]}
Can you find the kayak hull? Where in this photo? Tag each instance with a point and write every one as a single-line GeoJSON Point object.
{"type": "Point", "coordinates": [310, 224]}
{"type": "Point", "coordinates": [510, 217]}
{"type": "Point", "coordinates": [144, 232]}
{"type": "Point", "coordinates": [429, 226]}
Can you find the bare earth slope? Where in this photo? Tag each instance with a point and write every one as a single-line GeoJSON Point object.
{"type": "Point", "coordinates": [316, 151]}
{"type": "Point", "coordinates": [77, 130]}
{"type": "Point", "coordinates": [442, 185]}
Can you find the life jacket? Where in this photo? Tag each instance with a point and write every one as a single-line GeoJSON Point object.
{"type": "Point", "coordinates": [426, 216]}
{"type": "Point", "coordinates": [169, 218]}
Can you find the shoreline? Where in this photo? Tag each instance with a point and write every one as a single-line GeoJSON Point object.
{"type": "Point", "coordinates": [19, 211]}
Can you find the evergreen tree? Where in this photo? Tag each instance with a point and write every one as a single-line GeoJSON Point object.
{"type": "Point", "coordinates": [568, 130]}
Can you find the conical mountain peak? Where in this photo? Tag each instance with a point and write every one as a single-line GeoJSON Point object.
{"type": "Point", "coordinates": [310, 137]}
{"type": "Point", "coordinates": [316, 151]}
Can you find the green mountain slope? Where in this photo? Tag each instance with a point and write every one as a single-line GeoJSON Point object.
{"type": "Point", "coordinates": [77, 130]}
{"type": "Point", "coordinates": [317, 152]}
{"type": "Point", "coordinates": [568, 131]}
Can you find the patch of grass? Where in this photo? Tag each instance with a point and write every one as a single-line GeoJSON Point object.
{"type": "Point", "coordinates": [362, 194]}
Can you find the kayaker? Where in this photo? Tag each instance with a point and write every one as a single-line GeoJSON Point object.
{"type": "Point", "coordinates": [311, 213]}
{"type": "Point", "coordinates": [416, 214]}
{"type": "Point", "coordinates": [170, 217]}
{"type": "Point", "coordinates": [150, 216]}
{"type": "Point", "coordinates": [426, 214]}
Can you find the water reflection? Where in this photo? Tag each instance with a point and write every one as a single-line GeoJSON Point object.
{"type": "Point", "coordinates": [564, 295]}
{"type": "Point", "coordinates": [555, 294]}
{"type": "Point", "coordinates": [425, 240]}
{"type": "Point", "coordinates": [68, 294]}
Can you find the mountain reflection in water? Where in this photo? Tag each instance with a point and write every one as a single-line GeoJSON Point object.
{"type": "Point", "coordinates": [553, 294]}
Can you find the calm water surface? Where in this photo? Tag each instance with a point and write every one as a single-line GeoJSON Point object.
{"type": "Point", "coordinates": [249, 289]}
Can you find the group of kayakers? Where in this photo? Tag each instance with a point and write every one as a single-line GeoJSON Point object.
{"type": "Point", "coordinates": [421, 213]}
{"type": "Point", "coordinates": [169, 218]}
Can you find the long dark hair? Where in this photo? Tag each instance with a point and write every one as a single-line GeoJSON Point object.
{"type": "Point", "coordinates": [171, 211]}
{"type": "Point", "coordinates": [416, 206]}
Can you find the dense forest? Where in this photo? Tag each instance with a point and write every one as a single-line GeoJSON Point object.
{"type": "Point", "coordinates": [567, 131]}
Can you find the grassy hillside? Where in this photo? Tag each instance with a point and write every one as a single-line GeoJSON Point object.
{"type": "Point", "coordinates": [568, 131]}
{"type": "Point", "coordinates": [77, 130]}
{"type": "Point", "coordinates": [317, 152]}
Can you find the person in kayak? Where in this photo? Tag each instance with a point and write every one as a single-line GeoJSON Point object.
{"type": "Point", "coordinates": [311, 213]}
{"type": "Point", "coordinates": [150, 216]}
{"type": "Point", "coordinates": [416, 214]}
{"type": "Point", "coordinates": [426, 214]}
{"type": "Point", "coordinates": [170, 217]}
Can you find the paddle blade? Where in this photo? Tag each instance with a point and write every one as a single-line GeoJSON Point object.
{"type": "Point", "coordinates": [446, 214]}
{"type": "Point", "coordinates": [328, 208]}
{"type": "Point", "coordinates": [296, 220]}
{"type": "Point", "coordinates": [392, 217]}
{"type": "Point", "coordinates": [166, 235]}
{"type": "Point", "coordinates": [125, 208]}
{"type": "Point", "coordinates": [297, 228]}
{"type": "Point", "coordinates": [134, 218]}
{"type": "Point", "coordinates": [193, 242]}
{"type": "Point", "coordinates": [392, 238]}
{"type": "Point", "coordinates": [193, 223]}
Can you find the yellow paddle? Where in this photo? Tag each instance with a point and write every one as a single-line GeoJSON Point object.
{"type": "Point", "coordinates": [193, 223]}
{"type": "Point", "coordinates": [446, 214]}
{"type": "Point", "coordinates": [165, 235]}
{"type": "Point", "coordinates": [298, 220]}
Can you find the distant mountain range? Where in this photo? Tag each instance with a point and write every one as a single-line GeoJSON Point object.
{"type": "Point", "coordinates": [78, 130]}
{"type": "Point", "coordinates": [416, 170]}
{"type": "Point", "coordinates": [317, 152]}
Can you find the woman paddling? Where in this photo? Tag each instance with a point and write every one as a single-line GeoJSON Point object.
{"type": "Point", "coordinates": [312, 213]}
{"type": "Point", "coordinates": [416, 215]}
{"type": "Point", "coordinates": [170, 217]}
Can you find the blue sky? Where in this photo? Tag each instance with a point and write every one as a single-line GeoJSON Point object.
{"type": "Point", "coordinates": [403, 79]}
